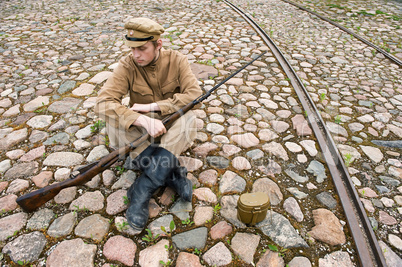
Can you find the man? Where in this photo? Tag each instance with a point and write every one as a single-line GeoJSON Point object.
{"type": "Point", "coordinates": [158, 82]}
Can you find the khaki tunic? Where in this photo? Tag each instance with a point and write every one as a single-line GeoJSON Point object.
{"type": "Point", "coordinates": [169, 82]}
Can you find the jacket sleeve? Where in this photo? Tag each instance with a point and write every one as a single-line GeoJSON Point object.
{"type": "Point", "coordinates": [109, 105]}
{"type": "Point", "coordinates": [189, 89]}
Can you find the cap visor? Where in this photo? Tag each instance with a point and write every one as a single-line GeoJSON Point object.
{"type": "Point", "coordinates": [134, 44]}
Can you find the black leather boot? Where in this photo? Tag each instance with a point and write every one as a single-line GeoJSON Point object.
{"type": "Point", "coordinates": [139, 195]}
{"type": "Point", "coordinates": [156, 166]}
{"type": "Point", "coordinates": [179, 182]}
{"type": "Point", "coordinates": [169, 162]}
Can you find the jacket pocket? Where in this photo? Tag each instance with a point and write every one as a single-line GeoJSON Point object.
{"type": "Point", "coordinates": [170, 88]}
{"type": "Point", "coordinates": [142, 94]}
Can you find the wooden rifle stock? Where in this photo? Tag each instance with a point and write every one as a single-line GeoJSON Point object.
{"type": "Point", "coordinates": [33, 200]}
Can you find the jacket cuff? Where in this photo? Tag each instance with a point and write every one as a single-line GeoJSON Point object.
{"type": "Point", "coordinates": [128, 122]}
{"type": "Point", "coordinates": [166, 107]}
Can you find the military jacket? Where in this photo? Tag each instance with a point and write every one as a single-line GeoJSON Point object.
{"type": "Point", "coordinates": [169, 82]}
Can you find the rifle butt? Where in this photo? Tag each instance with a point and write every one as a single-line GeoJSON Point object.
{"type": "Point", "coordinates": [33, 200]}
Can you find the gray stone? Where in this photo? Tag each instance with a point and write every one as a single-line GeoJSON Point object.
{"type": "Point", "coordinates": [382, 189]}
{"type": "Point", "coordinates": [63, 159]}
{"type": "Point", "coordinates": [394, 144]}
{"type": "Point", "coordinates": [84, 132]}
{"type": "Point", "coordinates": [22, 170]}
{"type": "Point", "coordinates": [164, 221]}
{"type": "Point", "coordinates": [318, 169]}
{"type": "Point", "coordinates": [195, 238]}
{"type": "Point", "coordinates": [218, 162]}
{"type": "Point", "coordinates": [292, 207]}
{"type": "Point", "coordinates": [279, 229]}
{"type": "Point", "coordinates": [60, 138]}
{"type": "Point", "coordinates": [66, 87]}
{"type": "Point", "coordinates": [97, 153]}
{"type": "Point", "coordinates": [26, 248]}
{"type": "Point", "coordinates": [296, 177]}
{"type": "Point", "coordinates": [255, 154]}
{"type": "Point", "coordinates": [63, 225]}
{"type": "Point", "coordinates": [327, 199]}
{"type": "Point", "coordinates": [297, 193]}
{"type": "Point", "coordinates": [390, 181]}
{"type": "Point", "coordinates": [66, 105]}
{"type": "Point", "coordinates": [227, 99]}
{"type": "Point", "coordinates": [182, 209]}
{"type": "Point", "coordinates": [38, 136]}
{"type": "Point", "coordinates": [125, 181]}
{"type": "Point", "coordinates": [40, 220]}
{"type": "Point", "coordinates": [40, 121]}
{"type": "Point", "coordinates": [231, 183]}
{"type": "Point", "coordinates": [95, 227]}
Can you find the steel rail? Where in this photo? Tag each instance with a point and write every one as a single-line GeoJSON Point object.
{"type": "Point", "coordinates": [382, 51]}
{"type": "Point", "coordinates": [368, 249]}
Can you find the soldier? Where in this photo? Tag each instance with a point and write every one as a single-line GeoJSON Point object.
{"type": "Point", "coordinates": [158, 82]}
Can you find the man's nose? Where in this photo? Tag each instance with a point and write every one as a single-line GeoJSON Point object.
{"type": "Point", "coordinates": [135, 52]}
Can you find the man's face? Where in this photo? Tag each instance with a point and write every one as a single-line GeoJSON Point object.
{"type": "Point", "coordinates": [145, 54]}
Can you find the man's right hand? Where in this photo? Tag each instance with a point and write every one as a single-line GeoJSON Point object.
{"type": "Point", "coordinates": [154, 127]}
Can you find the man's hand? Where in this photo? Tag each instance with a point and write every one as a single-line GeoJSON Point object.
{"type": "Point", "coordinates": [144, 108]}
{"type": "Point", "coordinates": [154, 127]}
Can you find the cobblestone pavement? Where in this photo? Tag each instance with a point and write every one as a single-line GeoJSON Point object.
{"type": "Point", "coordinates": [55, 56]}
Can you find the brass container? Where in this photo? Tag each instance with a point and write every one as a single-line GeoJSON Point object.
{"type": "Point", "coordinates": [252, 207]}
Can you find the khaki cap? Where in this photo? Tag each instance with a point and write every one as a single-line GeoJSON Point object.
{"type": "Point", "coordinates": [142, 30]}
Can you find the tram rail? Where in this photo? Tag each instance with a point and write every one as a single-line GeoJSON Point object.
{"type": "Point", "coordinates": [368, 249]}
{"type": "Point", "coordinates": [367, 42]}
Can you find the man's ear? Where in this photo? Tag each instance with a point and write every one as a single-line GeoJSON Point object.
{"type": "Point", "coordinates": [159, 42]}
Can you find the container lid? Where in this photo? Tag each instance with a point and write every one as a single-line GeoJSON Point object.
{"type": "Point", "coordinates": [254, 199]}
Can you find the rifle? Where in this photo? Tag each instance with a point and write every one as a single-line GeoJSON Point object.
{"type": "Point", "coordinates": [33, 200]}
